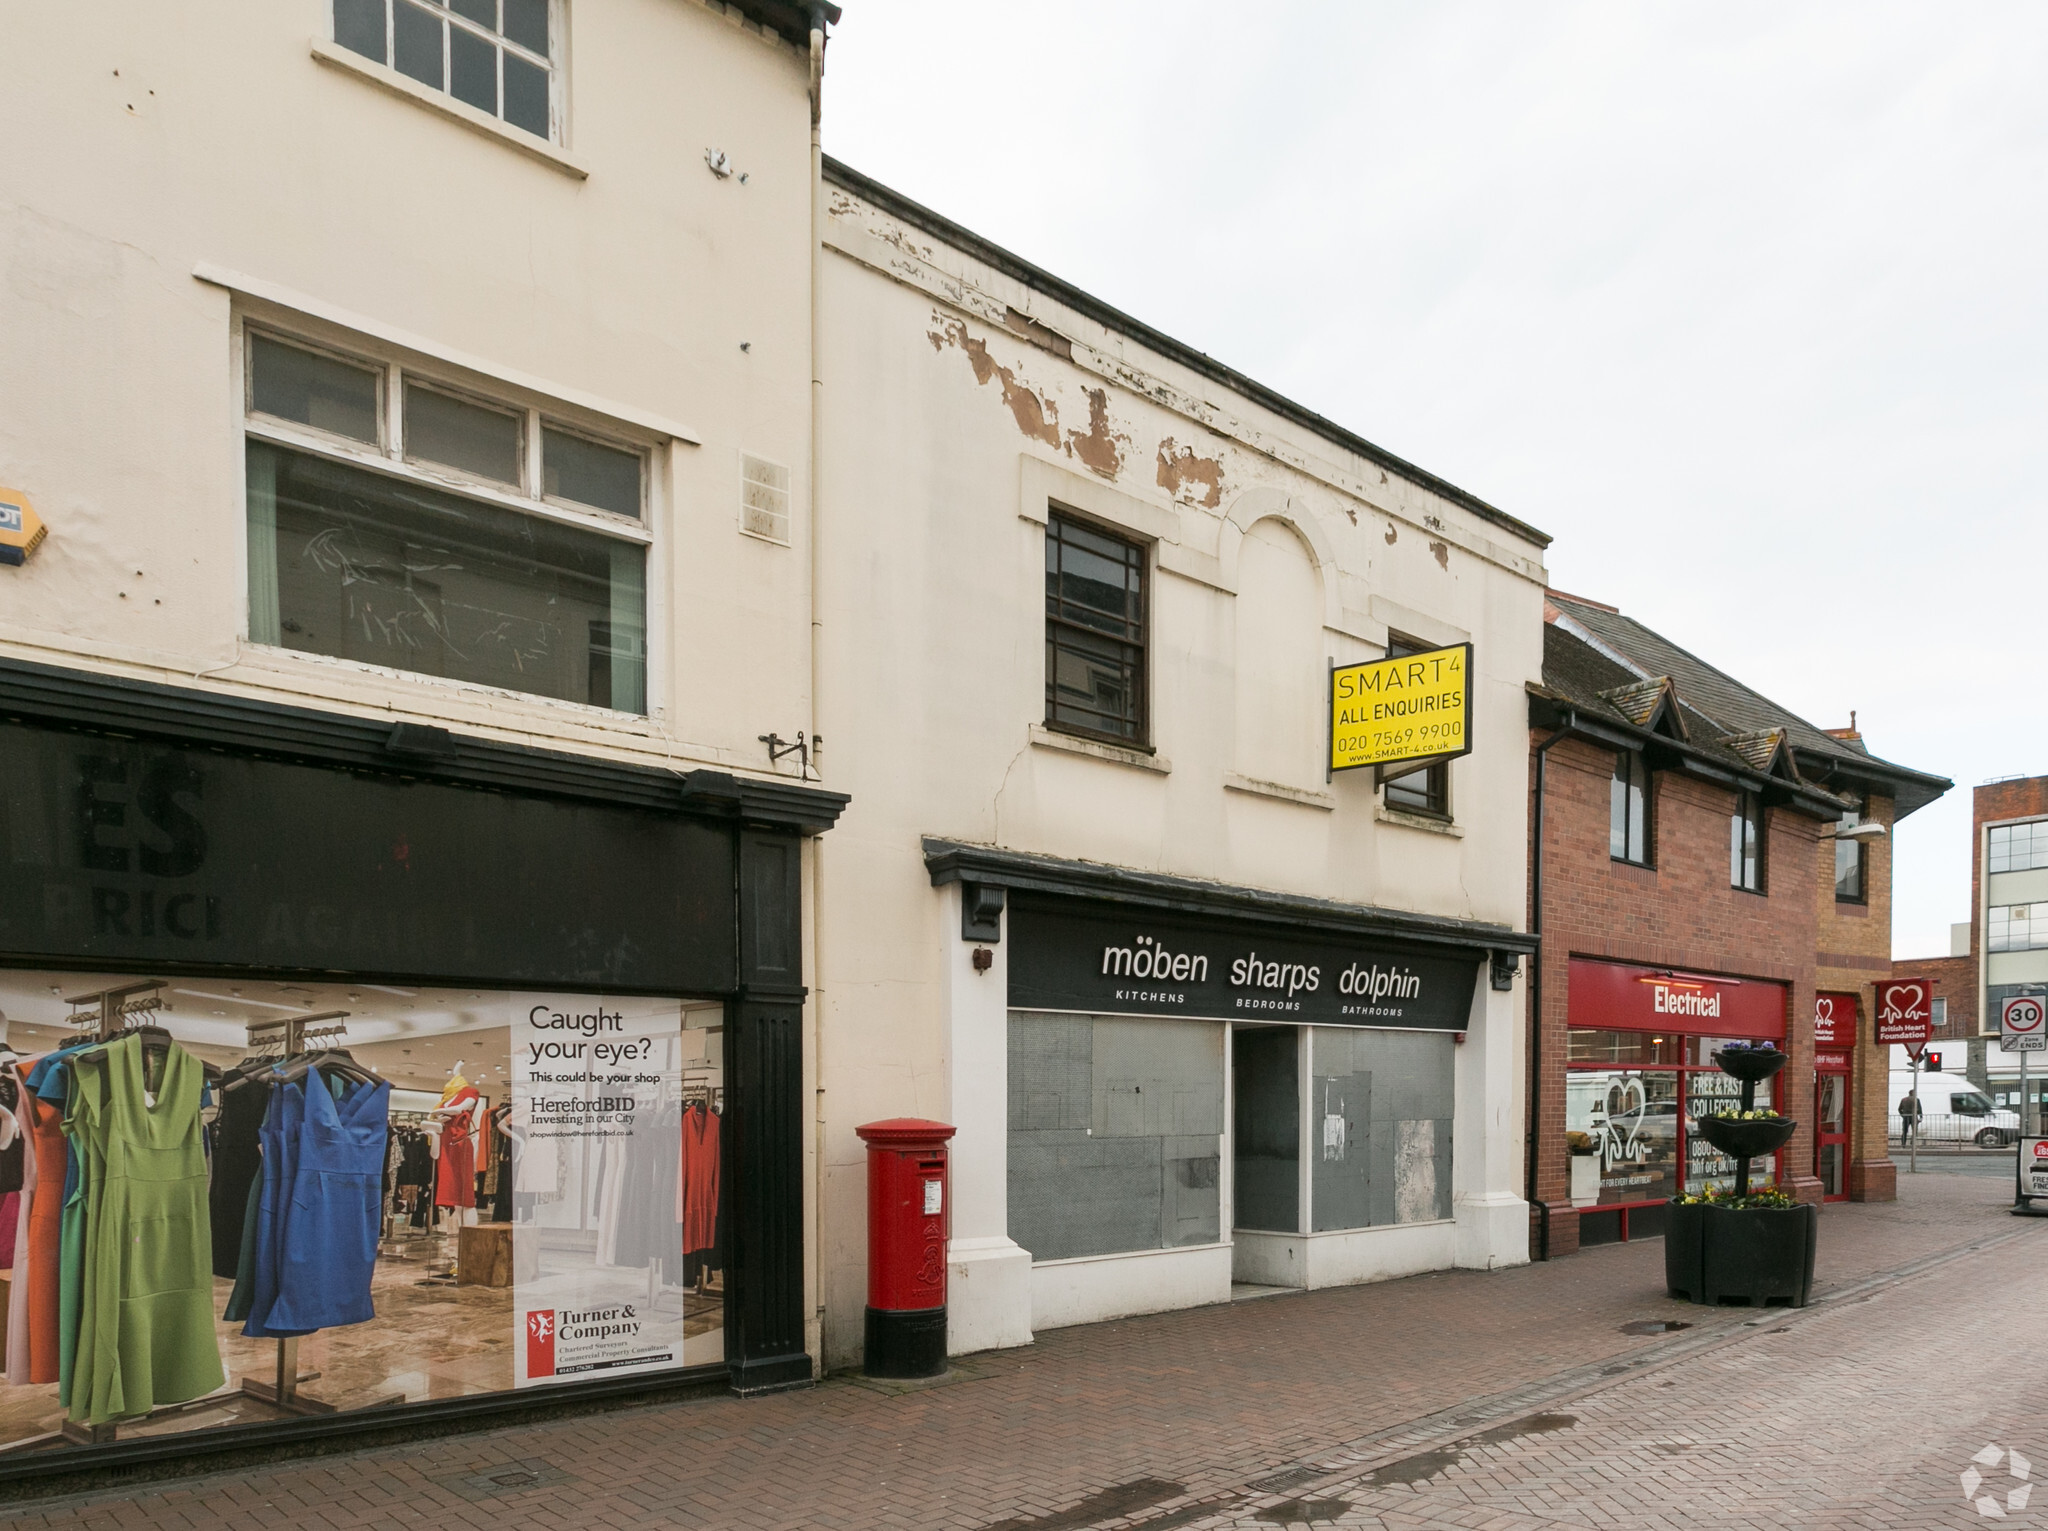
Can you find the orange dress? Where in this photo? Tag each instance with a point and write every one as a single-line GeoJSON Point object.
{"type": "Point", "coordinates": [45, 1225]}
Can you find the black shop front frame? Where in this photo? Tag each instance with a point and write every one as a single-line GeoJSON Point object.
{"type": "Point", "coordinates": [157, 830]}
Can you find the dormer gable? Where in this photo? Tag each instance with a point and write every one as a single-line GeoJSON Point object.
{"type": "Point", "coordinates": [1650, 704]}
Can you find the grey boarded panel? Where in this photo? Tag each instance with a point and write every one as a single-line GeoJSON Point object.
{"type": "Point", "coordinates": [1051, 1073]}
{"type": "Point", "coordinates": [1155, 1078]}
{"type": "Point", "coordinates": [1191, 1200]}
{"type": "Point", "coordinates": [1075, 1194]}
{"type": "Point", "coordinates": [1412, 1073]}
{"type": "Point", "coordinates": [1340, 1144]}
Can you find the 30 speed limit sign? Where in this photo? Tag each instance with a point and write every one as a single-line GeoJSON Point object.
{"type": "Point", "coordinates": [2023, 1024]}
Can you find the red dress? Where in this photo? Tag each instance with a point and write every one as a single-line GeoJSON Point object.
{"type": "Point", "coordinates": [697, 1186]}
{"type": "Point", "coordinates": [455, 1171]}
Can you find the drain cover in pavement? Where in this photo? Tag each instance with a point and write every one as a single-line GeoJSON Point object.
{"type": "Point", "coordinates": [1655, 1326]}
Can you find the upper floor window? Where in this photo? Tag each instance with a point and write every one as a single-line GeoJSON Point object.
{"type": "Point", "coordinates": [1428, 788]}
{"type": "Point", "coordinates": [2016, 927]}
{"type": "Point", "coordinates": [1850, 860]}
{"type": "Point", "coordinates": [1628, 813]}
{"type": "Point", "coordinates": [2018, 847]}
{"type": "Point", "coordinates": [1939, 1012]}
{"type": "Point", "coordinates": [1745, 843]}
{"type": "Point", "coordinates": [1094, 632]}
{"type": "Point", "coordinates": [399, 520]}
{"type": "Point", "coordinates": [495, 55]}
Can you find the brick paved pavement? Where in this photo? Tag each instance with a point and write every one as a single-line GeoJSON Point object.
{"type": "Point", "coordinates": [1505, 1400]}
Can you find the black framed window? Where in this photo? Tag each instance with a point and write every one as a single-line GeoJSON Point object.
{"type": "Point", "coordinates": [1628, 818]}
{"type": "Point", "coordinates": [1745, 843]}
{"type": "Point", "coordinates": [495, 55]}
{"type": "Point", "coordinates": [1850, 880]}
{"type": "Point", "coordinates": [1094, 633]}
{"type": "Point", "coordinates": [1426, 789]}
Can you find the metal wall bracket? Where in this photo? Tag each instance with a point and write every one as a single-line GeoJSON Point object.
{"type": "Point", "coordinates": [981, 912]}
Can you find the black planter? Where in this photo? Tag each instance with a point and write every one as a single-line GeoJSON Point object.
{"type": "Point", "coordinates": [1756, 1255]}
{"type": "Point", "coordinates": [1746, 1140]}
{"type": "Point", "coordinates": [1750, 1067]}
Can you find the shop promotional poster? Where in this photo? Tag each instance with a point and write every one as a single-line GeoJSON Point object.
{"type": "Point", "coordinates": [591, 1079]}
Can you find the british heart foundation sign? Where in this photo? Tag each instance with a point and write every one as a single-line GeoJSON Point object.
{"type": "Point", "coordinates": [1905, 1011]}
{"type": "Point", "coordinates": [1834, 1020]}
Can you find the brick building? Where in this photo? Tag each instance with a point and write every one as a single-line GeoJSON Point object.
{"type": "Point", "coordinates": [2002, 949]}
{"type": "Point", "coordinates": [1729, 903]}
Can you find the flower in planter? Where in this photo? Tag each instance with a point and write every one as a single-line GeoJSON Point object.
{"type": "Point", "coordinates": [1736, 1114]}
{"type": "Point", "coordinates": [1769, 1197]}
{"type": "Point", "coordinates": [1749, 1047]}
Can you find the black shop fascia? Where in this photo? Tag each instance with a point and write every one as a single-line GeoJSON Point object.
{"type": "Point", "coordinates": [217, 860]}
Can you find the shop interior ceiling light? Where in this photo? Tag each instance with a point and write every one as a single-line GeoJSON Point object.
{"type": "Point", "coordinates": [21, 529]}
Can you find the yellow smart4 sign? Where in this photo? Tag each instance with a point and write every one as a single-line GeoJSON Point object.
{"type": "Point", "coordinates": [1390, 711]}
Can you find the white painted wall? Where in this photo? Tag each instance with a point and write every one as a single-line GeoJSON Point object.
{"type": "Point", "coordinates": [947, 432]}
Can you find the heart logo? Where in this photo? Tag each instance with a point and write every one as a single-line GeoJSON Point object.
{"type": "Point", "coordinates": [1824, 1009]}
{"type": "Point", "coordinates": [1627, 1104]}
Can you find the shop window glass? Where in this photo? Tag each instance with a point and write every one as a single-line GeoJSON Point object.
{"type": "Point", "coordinates": [362, 566]}
{"type": "Point", "coordinates": [1590, 1045]}
{"type": "Point", "coordinates": [1699, 1051]}
{"type": "Point", "coordinates": [511, 1168]}
{"type": "Point", "coordinates": [2018, 847]}
{"type": "Point", "coordinates": [1621, 1131]}
{"type": "Point", "coordinates": [291, 383]}
{"type": "Point", "coordinates": [1379, 1127]}
{"type": "Point", "coordinates": [1628, 812]}
{"type": "Point", "coordinates": [1707, 1092]}
{"type": "Point", "coordinates": [1266, 1127]}
{"type": "Point", "coordinates": [1115, 1134]}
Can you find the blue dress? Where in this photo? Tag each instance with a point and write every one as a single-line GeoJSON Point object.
{"type": "Point", "coordinates": [279, 1137]}
{"type": "Point", "coordinates": [329, 1248]}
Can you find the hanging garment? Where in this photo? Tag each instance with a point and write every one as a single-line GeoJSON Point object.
{"type": "Point", "coordinates": [282, 1125]}
{"type": "Point", "coordinates": [12, 1144]}
{"type": "Point", "coordinates": [237, 1164]}
{"type": "Point", "coordinates": [17, 1300]}
{"type": "Point", "coordinates": [147, 1337]}
{"type": "Point", "coordinates": [45, 1225]}
{"type": "Point", "coordinates": [328, 1248]}
{"type": "Point", "coordinates": [697, 1192]}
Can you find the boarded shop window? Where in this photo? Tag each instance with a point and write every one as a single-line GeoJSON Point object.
{"type": "Point", "coordinates": [1380, 1127]}
{"type": "Point", "coordinates": [1115, 1134]}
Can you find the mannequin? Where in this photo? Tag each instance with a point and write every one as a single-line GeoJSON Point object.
{"type": "Point", "coordinates": [457, 1128]}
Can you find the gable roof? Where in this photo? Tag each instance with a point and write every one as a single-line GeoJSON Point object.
{"type": "Point", "coordinates": [1742, 724]}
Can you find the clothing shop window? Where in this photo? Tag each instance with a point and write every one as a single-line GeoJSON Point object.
{"type": "Point", "coordinates": [2018, 847]}
{"type": "Point", "coordinates": [1628, 814]}
{"type": "Point", "coordinates": [453, 535]}
{"type": "Point", "coordinates": [1745, 843]}
{"type": "Point", "coordinates": [1427, 789]}
{"type": "Point", "coordinates": [1115, 1134]}
{"type": "Point", "coordinates": [1850, 860]}
{"type": "Point", "coordinates": [495, 55]}
{"type": "Point", "coordinates": [431, 1193]}
{"type": "Point", "coordinates": [1095, 633]}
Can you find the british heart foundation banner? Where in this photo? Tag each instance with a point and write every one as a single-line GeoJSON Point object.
{"type": "Point", "coordinates": [601, 1285]}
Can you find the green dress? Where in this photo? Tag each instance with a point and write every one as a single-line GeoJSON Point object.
{"type": "Point", "coordinates": [146, 1333]}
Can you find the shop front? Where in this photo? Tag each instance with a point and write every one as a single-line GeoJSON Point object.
{"type": "Point", "coordinates": [1834, 1054]}
{"type": "Point", "coordinates": [1639, 1066]}
{"type": "Point", "coordinates": [1207, 1086]}
{"type": "Point", "coordinates": [426, 1073]}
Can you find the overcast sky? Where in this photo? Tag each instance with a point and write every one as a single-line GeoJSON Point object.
{"type": "Point", "coordinates": [1742, 302]}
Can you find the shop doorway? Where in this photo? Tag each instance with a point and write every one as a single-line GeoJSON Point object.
{"type": "Point", "coordinates": [1831, 1124]}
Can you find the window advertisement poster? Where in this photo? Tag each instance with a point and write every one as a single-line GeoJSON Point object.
{"type": "Point", "coordinates": [617, 1228]}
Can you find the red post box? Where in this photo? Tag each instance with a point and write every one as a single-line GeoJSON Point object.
{"type": "Point", "coordinates": [907, 1214]}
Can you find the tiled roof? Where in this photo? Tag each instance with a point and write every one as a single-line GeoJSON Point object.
{"type": "Point", "coordinates": [1594, 649]}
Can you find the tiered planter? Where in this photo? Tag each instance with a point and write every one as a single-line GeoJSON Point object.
{"type": "Point", "coordinates": [1742, 1254]}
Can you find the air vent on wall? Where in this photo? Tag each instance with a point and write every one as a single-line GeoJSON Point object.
{"type": "Point", "coordinates": [764, 500]}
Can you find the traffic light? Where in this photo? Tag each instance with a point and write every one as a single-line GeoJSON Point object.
{"type": "Point", "coordinates": [1933, 1063]}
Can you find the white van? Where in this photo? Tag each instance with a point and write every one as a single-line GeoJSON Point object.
{"type": "Point", "coordinates": [1953, 1111]}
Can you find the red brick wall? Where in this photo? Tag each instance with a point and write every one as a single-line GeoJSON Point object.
{"type": "Point", "coordinates": [1680, 912]}
{"type": "Point", "coordinates": [1955, 980]}
{"type": "Point", "coordinates": [1855, 956]}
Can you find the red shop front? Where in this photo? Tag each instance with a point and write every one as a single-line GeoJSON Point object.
{"type": "Point", "coordinates": [1834, 1042]}
{"type": "Point", "coordinates": [1639, 1065]}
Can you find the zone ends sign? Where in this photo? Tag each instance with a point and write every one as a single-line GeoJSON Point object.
{"type": "Point", "coordinates": [1414, 708]}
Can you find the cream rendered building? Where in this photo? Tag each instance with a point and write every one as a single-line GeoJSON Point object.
{"type": "Point", "coordinates": [1005, 834]}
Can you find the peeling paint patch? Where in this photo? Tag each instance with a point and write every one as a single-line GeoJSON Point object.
{"type": "Point", "coordinates": [1101, 449]}
{"type": "Point", "coordinates": [1185, 476]}
{"type": "Point", "coordinates": [1393, 535]}
{"type": "Point", "coordinates": [1036, 417]}
{"type": "Point", "coordinates": [1441, 554]}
